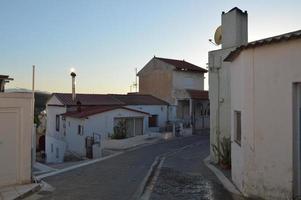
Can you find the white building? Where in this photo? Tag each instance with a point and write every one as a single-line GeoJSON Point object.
{"type": "Point", "coordinates": [234, 33]}
{"type": "Point", "coordinates": [181, 84]}
{"type": "Point", "coordinates": [265, 117]}
{"type": "Point", "coordinates": [72, 124]}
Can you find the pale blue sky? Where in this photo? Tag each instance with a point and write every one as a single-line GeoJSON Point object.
{"type": "Point", "coordinates": [105, 40]}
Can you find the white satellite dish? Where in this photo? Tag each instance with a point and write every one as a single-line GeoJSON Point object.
{"type": "Point", "coordinates": [218, 35]}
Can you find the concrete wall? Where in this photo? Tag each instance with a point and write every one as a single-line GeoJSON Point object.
{"type": "Point", "coordinates": [263, 80]}
{"type": "Point", "coordinates": [16, 122]}
{"type": "Point", "coordinates": [156, 79]}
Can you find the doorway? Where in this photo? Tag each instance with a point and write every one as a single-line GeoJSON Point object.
{"type": "Point", "coordinates": [297, 140]}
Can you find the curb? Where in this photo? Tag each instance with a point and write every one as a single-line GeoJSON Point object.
{"type": "Point", "coordinates": [222, 178]}
{"type": "Point", "coordinates": [30, 192]}
{"type": "Point", "coordinates": [142, 193]}
{"type": "Point", "coordinates": [59, 171]}
{"type": "Point", "coordinates": [137, 195]}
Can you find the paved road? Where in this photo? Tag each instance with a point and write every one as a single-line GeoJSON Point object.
{"type": "Point", "coordinates": [115, 178]}
{"type": "Point", "coordinates": [184, 176]}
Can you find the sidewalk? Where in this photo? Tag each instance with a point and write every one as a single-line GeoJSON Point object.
{"type": "Point", "coordinates": [128, 143]}
{"type": "Point", "coordinates": [18, 191]}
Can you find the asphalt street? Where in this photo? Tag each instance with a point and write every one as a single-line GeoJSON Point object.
{"type": "Point", "coordinates": [119, 178]}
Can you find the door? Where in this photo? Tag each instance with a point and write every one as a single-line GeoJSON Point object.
{"type": "Point", "coordinates": [297, 140]}
{"type": "Point", "coordinates": [130, 127]}
{"type": "Point", "coordinates": [139, 126]}
{"type": "Point", "coordinates": [9, 145]}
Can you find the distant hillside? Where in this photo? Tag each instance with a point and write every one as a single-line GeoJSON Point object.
{"type": "Point", "coordinates": [41, 98]}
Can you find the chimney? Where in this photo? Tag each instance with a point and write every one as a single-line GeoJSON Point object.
{"type": "Point", "coordinates": [3, 80]}
{"type": "Point", "coordinates": [73, 75]}
{"type": "Point", "coordinates": [234, 28]}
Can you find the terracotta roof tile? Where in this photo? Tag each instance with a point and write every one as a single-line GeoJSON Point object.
{"type": "Point", "coordinates": [183, 65]}
{"type": "Point", "coordinates": [92, 110]}
{"type": "Point", "coordinates": [139, 99]}
{"type": "Point", "coordinates": [109, 99]}
{"type": "Point", "coordinates": [198, 94]}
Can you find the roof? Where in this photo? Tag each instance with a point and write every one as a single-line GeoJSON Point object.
{"type": "Point", "coordinates": [262, 42]}
{"type": "Point", "coordinates": [236, 9]}
{"type": "Point", "coordinates": [88, 111]}
{"type": "Point", "coordinates": [139, 99]}
{"type": "Point", "coordinates": [88, 99]}
{"type": "Point", "coordinates": [198, 94]}
{"type": "Point", "coordinates": [183, 65]}
{"type": "Point", "coordinates": [109, 99]}
{"type": "Point", "coordinates": [6, 77]}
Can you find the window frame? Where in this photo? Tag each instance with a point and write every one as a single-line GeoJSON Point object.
{"type": "Point", "coordinates": [57, 122]}
{"type": "Point", "coordinates": [156, 123]}
{"type": "Point", "coordinates": [80, 130]}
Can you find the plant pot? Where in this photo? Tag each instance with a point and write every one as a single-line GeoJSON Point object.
{"type": "Point", "coordinates": [225, 166]}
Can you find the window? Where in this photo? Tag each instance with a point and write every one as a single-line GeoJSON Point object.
{"type": "Point", "coordinates": [51, 148]}
{"type": "Point", "coordinates": [152, 121]}
{"type": "Point", "coordinates": [80, 130]}
{"type": "Point", "coordinates": [57, 154]}
{"type": "Point", "coordinates": [237, 127]}
{"type": "Point", "coordinates": [57, 123]}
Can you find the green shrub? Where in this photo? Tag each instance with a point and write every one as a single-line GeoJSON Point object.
{"type": "Point", "coordinates": [224, 152]}
{"type": "Point", "coordinates": [120, 130]}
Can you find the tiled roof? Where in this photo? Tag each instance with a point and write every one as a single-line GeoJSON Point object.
{"type": "Point", "coordinates": [266, 41]}
{"type": "Point", "coordinates": [198, 94]}
{"type": "Point", "coordinates": [92, 110]}
{"type": "Point", "coordinates": [139, 99]}
{"type": "Point", "coordinates": [87, 99]}
{"type": "Point", "coordinates": [109, 99]}
{"type": "Point", "coordinates": [183, 65]}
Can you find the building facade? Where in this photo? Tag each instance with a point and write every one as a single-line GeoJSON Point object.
{"type": "Point", "coordinates": [72, 124]}
{"type": "Point", "coordinates": [234, 33]}
{"type": "Point", "coordinates": [265, 117]}
{"type": "Point", "coordinates": [174, 81]}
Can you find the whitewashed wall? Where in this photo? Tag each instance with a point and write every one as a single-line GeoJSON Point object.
{"type": "Point", "coordinates": [55, 149]}
{"type": "Point", "coordinates": [16, 123]}
{"type": "Point", "coordinates": [263, 164]}
{"type": "Point", "coordinates": [54, 139]}
{"type": "Point", "coordinates": [102, 123]}
{"type": "Point", "coordinates": [188, 80]}
{"type": "Point", "coordinates": [160, 110]}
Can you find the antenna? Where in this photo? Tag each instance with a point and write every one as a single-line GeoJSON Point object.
{"type": "Point", "coordinates": [218, 35]}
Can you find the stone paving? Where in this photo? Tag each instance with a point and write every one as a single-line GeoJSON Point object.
{"type": "Point", "coordinates": [184, 176]}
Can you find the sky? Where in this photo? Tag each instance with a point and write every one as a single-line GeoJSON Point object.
{"type": "Point", "coordinates": [105, 40]}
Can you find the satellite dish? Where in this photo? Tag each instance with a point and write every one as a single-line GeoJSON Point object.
{"type": "Point", "coordinates": [218, 35]}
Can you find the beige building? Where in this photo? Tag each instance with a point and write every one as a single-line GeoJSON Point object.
{"type": "Point", "coordinates": [234, 33]}
{"type": "Point", "coordinates": [265, 116]}
{"type": "Point", "coordinates": [16, 122]}
{"type": "Point", "coordinates": [181, 84]}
